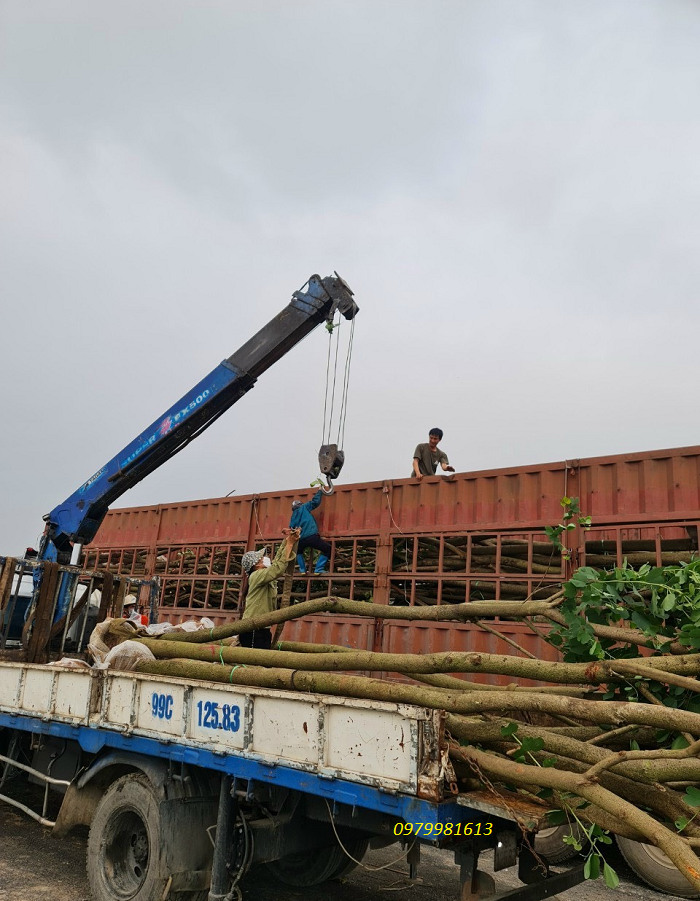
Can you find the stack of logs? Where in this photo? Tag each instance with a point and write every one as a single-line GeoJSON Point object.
{"type": "Point", "coordinates": [483, 557]}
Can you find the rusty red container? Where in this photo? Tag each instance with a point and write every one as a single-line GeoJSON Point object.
{"type": "Point", "coordinates": [437, 541]}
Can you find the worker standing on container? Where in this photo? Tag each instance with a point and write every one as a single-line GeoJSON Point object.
{"type": "Point", "coordinates": [303, 520]}
{"type": "Point", "coordinates": [427, 456]}
{"type": "Point", "coordinates": [260, 591]}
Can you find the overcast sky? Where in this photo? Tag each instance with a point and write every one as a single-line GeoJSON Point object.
{"type": "Point", "coordinates": [512, 189]}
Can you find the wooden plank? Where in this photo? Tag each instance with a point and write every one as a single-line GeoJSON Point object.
{"type": "Point", "coordinates": [119, 598]}
{"type": "Point", "coordinates": [58, 626]}
{"type": "Point", "coordinates": [13, 656]}
{"type": "Point", "coordinates": [106, 600]}
{"type": "Point", "coordinates": [38, 646]}
{"type": "Point", "coordinates": [6, 578]}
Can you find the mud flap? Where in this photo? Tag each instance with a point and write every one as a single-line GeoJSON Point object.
{"type": "Point", "coordinates": [186, 851]}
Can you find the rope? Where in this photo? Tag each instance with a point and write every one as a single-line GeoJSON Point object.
{"type": "Point", "coordinates": [391, 515]}
{"type": "Point", "coordinates": [235, 893]}
{"type": "Point", "coordinates": [230, 676]}
{"type": "Point", "coordinates": [385, 866]}
{"type": "Point", "coordinates": [255, 507]}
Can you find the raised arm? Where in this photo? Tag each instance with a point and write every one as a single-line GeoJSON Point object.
{"type": "Point", "coordinates": [285, 553]}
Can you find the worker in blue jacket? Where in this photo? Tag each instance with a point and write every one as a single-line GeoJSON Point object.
{"type": "Point", "coordinates": [302, 519]}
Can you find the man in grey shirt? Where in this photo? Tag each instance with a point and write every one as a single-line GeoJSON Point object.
{"type": "Point", "coordinates": [427, 456]}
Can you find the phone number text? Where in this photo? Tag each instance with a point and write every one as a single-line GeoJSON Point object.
{"type": "Point", "coordinates": [443, 829]}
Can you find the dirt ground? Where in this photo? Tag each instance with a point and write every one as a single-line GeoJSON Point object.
{"type": "Point", "coordinates": [35, 866]}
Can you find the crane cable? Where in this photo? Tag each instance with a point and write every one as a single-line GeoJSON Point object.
{"type": "Point", "coordinates": [346, 386]}
{"type": "Point", "coordinates": [342, 415]}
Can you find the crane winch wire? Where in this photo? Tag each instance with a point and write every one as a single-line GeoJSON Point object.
{"type": "Point", "coordinates": [346, 387]}
{"type": "Point", "coordinates": [330, 457]}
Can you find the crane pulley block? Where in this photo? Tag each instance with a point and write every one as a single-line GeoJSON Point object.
{"type": "Point", "coordinates": [330, 460]}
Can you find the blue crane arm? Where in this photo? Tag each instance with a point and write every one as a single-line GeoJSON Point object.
{"type": "Point", "coordinates": [77, 519]}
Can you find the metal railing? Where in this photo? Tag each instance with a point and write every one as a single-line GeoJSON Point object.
{"type": "Point", "coordinates": [48, 609]}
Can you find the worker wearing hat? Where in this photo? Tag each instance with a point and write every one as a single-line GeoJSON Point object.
{"type": "Point", "coordinates": [260, 591]}
{"type": "Point", "coordinates": [304, 521]}
{"type": "Point", "coordinates": [130, 610]}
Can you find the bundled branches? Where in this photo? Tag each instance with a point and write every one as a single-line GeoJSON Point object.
{"type": "Point", "coordinates": [452, 612]}
{"type": "Point", "coordinates": [610, 734]}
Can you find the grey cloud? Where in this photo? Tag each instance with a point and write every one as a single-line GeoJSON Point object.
{"type": "Point", "coordinates": [510, 187]}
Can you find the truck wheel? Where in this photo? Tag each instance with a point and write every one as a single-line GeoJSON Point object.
{"type": "Point", "coordinates": [308, 867]}
{"type": "Point", "coordinates": [358, 849]}
{"type": "Point", "coordinates": [303, 869]}
{"type": "Point", "coordinates": [123, 845]}
{"type": "Point", "coordinates": [550, 842]}
{"type": "Point", "coordinates": [653, 866]}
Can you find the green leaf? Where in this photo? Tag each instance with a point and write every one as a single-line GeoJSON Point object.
{"type": "Point", "coordinates": [579, 580]}
{"type": "Point", "coordinates": [641, 621]}
{"type": "Point", "coordinates": [557, 817]}
{"type": "Point", "coordinates": [510, 729]}
{"type": "Point", "coordinates": [668, 603]}
{"type": "Point", "coordinates": [681, 823]}
{"type": "Point", "coordinates": [680, 742]}
{"type": "Point", "coordinates": [531, 745]}
{"type": "Point", "coordinates": [591, 869]}
{"type": "Point", "coordinates": [597, 650]}
{"type": "Point", "coordinates": [692, 796]}
{"type": "Point", "coordinates": [571, 839]}
{"type": "Point", "coordinates": [610, 876]}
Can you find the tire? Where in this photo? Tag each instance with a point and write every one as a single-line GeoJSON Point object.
{"type": "Point", "coordinates": [123, 845]}
{"type": "Point", "coordinates": [550, 842]}
{"type": "Point", "coordinates": [654, 867]}
{"type": "Point", "coordinates": [307, 868]}
{"type": "Point", "coordinates": [358, 849]}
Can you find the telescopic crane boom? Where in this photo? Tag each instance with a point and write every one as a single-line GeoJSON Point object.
{"type": "Point", "coordinates": [75, 522]}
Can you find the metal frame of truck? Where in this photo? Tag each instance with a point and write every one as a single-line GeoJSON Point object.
{"type": "Point", "coordinates": [277, 773]}
{"type": "Point", "coordinates": [154, 765]}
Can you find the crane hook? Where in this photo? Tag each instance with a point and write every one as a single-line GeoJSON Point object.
{"type": "Point", "coordinates": [330, 462]}
{"type": "Point", "coordinates": [331, 487]}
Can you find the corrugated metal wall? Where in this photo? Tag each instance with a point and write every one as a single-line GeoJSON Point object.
{"type": "Point", "coordinates": [475, 535]}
